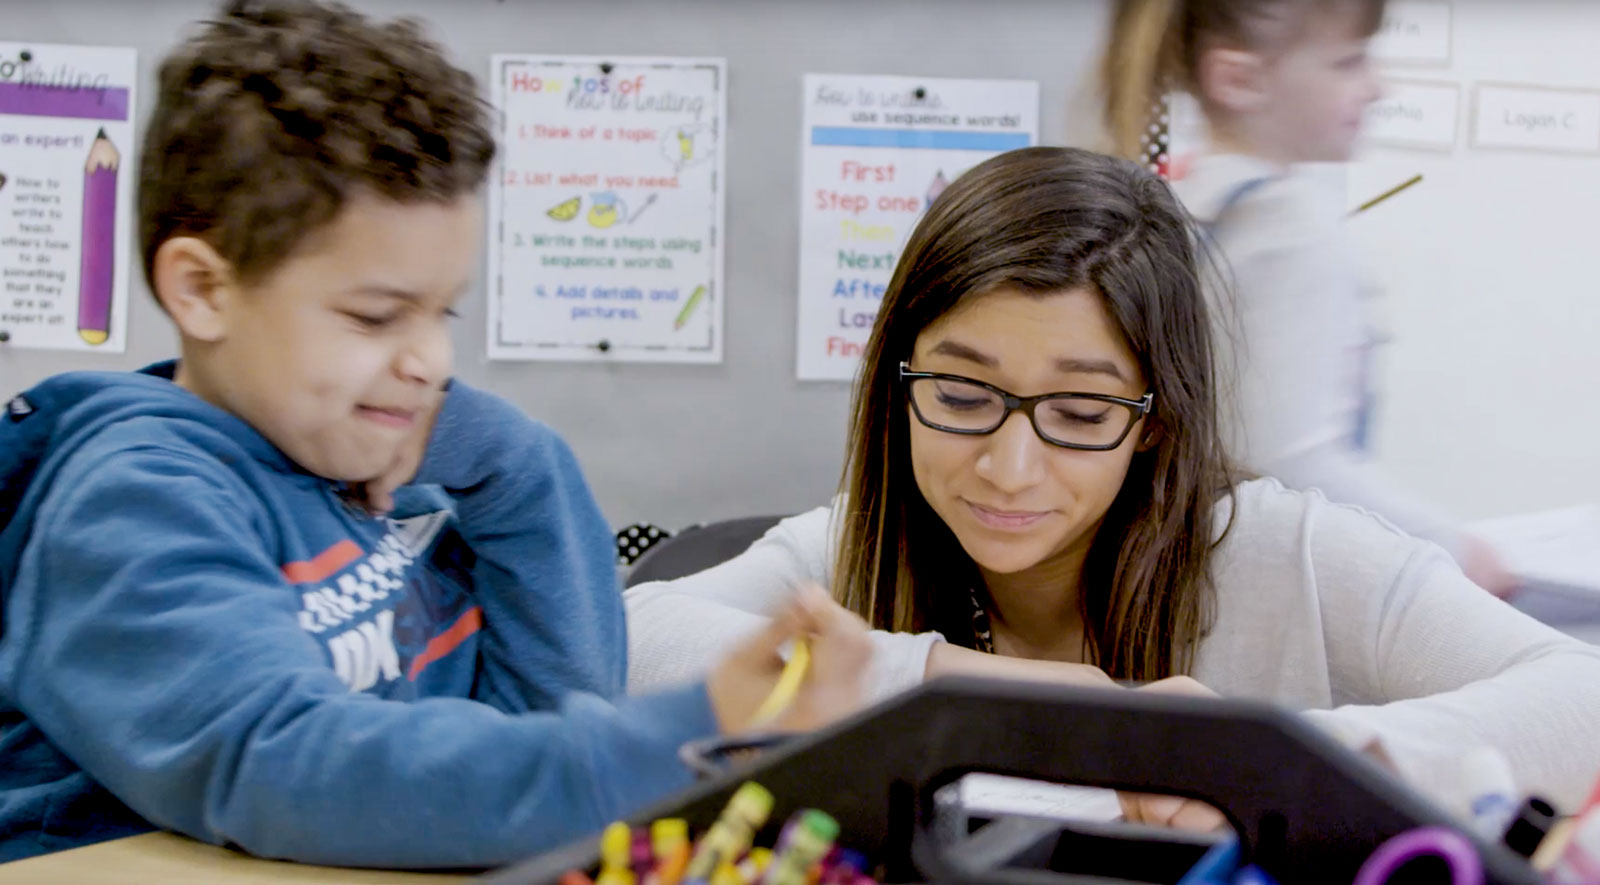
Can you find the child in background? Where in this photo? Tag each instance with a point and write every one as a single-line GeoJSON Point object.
{"type": "Point", "coordinates": [1282, 83]}
{"type": "Point", "coordinates": [298, 592]}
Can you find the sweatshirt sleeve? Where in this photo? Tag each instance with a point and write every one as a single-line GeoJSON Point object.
{"type": "Point", "coordinates": [1432, 667]}
{"type": "Point", "coordinates": [1293, 290]}
{"type": "Point", "coordinates": [677, 630]}
{"type": "Point", "coordinates": [150, 637]}
{"type": "Point", "coordinates": [545, 572]}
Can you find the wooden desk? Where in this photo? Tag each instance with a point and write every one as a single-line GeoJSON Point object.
{"type": "Point", "coordinates": [168, 859]}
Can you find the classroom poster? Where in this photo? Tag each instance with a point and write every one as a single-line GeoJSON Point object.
{"type": "Point", "coordinates": [606, 213]}
{"type": "Point", "coordinates": [66, 195]}
{"type": "Point", "coordinates": [875, 151]}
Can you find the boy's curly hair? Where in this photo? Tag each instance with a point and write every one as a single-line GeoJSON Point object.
{"type": "Point", "coordinates": [274, 115]}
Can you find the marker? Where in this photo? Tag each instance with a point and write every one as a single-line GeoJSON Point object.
{"type": "Point", "coordinates": [730, 836]}
{"type": "Point", "coordinates": [1532, 823]}
{"type": "Point", "coordinates": [787, 687]}
{"type": "Point", "coordinates": [1580, 863]}
{"type": "Point", "coordinates": [575, 877]}
{"type": "Point", "coordinates": [805, 840]}
{"type": "Point", "coordinates": [1415, 179]}
{"type": "Point", "coordinates": [688, 307]}
{"type": "Point", "coordinates": [728, 874]}
{"type": "Point", "coordinates": [1493, 789]}
{"type": "Point", "coordinates": [1253, 875]}
{"type": "Point", "coordinates": [670, 838]}
{"type": "Point", "coordinates": [616, 852]}
{"type": "Point", "coordinates": [97, 268]}
{"type": "Point", "coordinates": [1460, 855]}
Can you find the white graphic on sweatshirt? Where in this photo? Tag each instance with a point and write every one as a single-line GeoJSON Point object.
{"type": "Point", "coordinates": [364, 652]}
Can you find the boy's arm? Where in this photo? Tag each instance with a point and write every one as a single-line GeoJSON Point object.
{"type": "Point", "coordinates": [677, 629]}
{"type": "Point", "coordinates": [151, 638]}
{"type": "Point", "coordinates": [546, 573]}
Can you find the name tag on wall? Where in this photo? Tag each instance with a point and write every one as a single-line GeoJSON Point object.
{"type": "Point", "coordinates": [1537, 118]}
{"type": "Point", "coordinates": [1414, 32]}
{"type": "Point", "coordinates": [1416, 114]}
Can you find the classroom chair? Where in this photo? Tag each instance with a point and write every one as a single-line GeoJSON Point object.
{"type": "Point", "coordinates": [698, 548]}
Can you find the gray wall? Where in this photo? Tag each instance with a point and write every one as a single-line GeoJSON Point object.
{"type": "Point", "coordinates": [670, 444]}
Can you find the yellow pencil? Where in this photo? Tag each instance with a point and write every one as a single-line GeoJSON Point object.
{"type": "Point", "coordinates": [1415, 179]}
{"type": "Point", "coordinates": [783, 693]}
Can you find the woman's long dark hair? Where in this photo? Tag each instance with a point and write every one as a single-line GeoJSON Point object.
{"type": "Point", "coordinates": [1047, 221]}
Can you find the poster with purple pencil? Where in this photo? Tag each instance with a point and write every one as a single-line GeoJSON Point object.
{"type": "Point", "coordinates": [66, 195]}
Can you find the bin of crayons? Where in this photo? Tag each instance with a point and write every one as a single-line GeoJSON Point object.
{"type": "Point", "coordinates": [1303, 808]}
{"type": "Point", "coordinates": [806, 852]}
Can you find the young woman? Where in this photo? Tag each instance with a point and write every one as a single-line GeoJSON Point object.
{"type": "Point", "coordinates": [1281, 83]}
{"type": "Point", "coordinates": [1035, 486]}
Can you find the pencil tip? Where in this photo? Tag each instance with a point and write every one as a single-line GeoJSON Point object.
{"type": "Point", "coordinates": [101, 133]}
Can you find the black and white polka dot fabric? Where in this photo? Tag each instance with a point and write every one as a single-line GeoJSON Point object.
{"type": "Point", "coordinates": [634, 540]}
{"type": "Point", "coordinates": [1157, 138]}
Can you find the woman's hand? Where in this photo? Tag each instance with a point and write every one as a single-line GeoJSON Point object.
{"type": "Point", "coordinates": [1173, 811]}
{"type": "Point", "coordinates": [1166, 811]}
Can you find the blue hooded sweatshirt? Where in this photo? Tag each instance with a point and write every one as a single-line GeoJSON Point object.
{"type": "Point", "coordinates": [198, 635]}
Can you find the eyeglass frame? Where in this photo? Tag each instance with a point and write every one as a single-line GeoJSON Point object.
{"type": "Point", "coordinates": [1140, 408]}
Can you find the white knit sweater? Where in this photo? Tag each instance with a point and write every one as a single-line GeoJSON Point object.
{"type": "Point", "coordinates": [1320, 607]}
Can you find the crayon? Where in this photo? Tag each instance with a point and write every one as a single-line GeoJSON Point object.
{"type": "Point", "coordinates": [642, 859]}
{"type": "Point", "coordinates": [805, 840]}
{"type": "Point", "coordinates": [842, 867]}
{"type": "Point", "coordinates": [616, 853]}
{"type": "Point", "coordinates": [755, 864]}
{"type": "Point", "coordinates": [670, 839]}
{"type": "Point", "coordinates": [730, 836]}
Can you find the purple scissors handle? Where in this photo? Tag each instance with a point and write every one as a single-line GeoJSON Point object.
{"type": "Point", "coordinates": [1466, 868]}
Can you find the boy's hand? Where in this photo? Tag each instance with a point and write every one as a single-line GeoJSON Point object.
{"type": "Point", "coordinates": [377, 494]}
{"type": "Point", "coordinates": [834, 683]}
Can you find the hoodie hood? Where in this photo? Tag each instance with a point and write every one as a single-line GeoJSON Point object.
{"type": "Point", "coordinates": [43, 426]}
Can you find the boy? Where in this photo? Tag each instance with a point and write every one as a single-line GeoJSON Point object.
{"type": "Point", "coordinates": [228, 608]}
